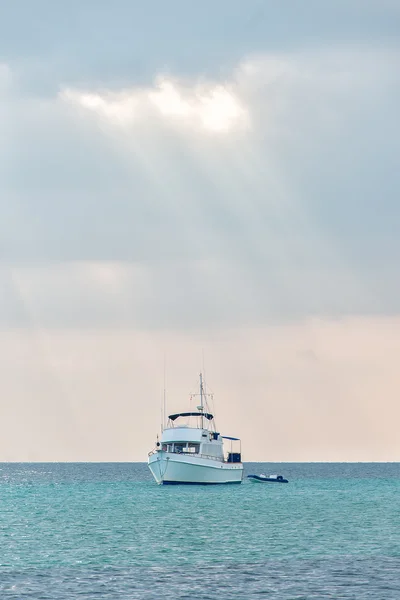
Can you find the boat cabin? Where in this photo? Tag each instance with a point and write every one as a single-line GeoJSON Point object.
{"type": "Point", "coordinates": [196, 437]}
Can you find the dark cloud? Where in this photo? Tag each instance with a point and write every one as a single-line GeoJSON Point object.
{"type": "Point", "coordinates": [94, 41]}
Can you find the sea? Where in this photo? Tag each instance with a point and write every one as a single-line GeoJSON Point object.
{"type": "Point", "coordinates": [108, 531]}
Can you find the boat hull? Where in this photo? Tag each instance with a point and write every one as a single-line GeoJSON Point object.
{"type": "Point", "coordinates": [173, 469]}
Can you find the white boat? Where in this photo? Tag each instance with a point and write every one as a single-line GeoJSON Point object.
{"type": "Point", "coordinates": [191, 450]}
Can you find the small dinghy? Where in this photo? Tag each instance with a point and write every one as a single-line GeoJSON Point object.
{"type": "Point", "coordinates": [268, 478]}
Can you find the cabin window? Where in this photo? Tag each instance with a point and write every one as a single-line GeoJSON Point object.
{"type": "Point", "coordinates": [164, 448]}
{"type": "Point", "coordinates": [183, 447]}
{"type": "Point", "coordinates": [179, 448]}
{"type": "Point", "coordinates": [193, 448]}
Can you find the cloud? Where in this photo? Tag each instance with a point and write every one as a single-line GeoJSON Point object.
{"type": "Point", "coordinates": [209, 107]}
{"type": "Point", "coordinates": [5, 77]}
{"type": "Point", "coordinates": [268, 194]}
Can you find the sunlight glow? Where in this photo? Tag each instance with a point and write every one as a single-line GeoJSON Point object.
{"type": "Point", "coordinates": [210, 107]}
{"type": "Point", "coordinates": [118, 108]}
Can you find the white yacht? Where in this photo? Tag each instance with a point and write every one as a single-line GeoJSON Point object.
{"type": "Point", "coordinates": [191, 450]}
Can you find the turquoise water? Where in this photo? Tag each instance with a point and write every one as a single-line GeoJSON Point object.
{"type": "Point", "coordinates": [108, 531]}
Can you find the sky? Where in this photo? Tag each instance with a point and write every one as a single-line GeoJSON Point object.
{"type": "Point", "coordinates": [207, 186]}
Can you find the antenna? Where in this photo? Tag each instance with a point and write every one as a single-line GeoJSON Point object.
{"type": "Point", "coordinates": [204, 370]}
{"type": "Point", "coordinates": [164, 397]}
{"type": "Point", "coordinates": [201, 401]}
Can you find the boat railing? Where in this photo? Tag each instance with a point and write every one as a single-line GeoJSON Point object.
{"type": "Point", "coordinates": [199, 455]}
{"type": "Point", "coordinates": [195, 454]}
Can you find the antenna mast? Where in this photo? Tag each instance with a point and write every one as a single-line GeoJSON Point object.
{"type": "Point", "coordinates": [164, 399]}
{"type": "Point", "coordinates": [201, 401]}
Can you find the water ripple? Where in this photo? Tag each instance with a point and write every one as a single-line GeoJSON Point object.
{"type": "Point", "coordinates": [108, 532]}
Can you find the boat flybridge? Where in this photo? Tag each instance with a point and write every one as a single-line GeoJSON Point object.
{"type": "Point", "coordinates": [191, 450]}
